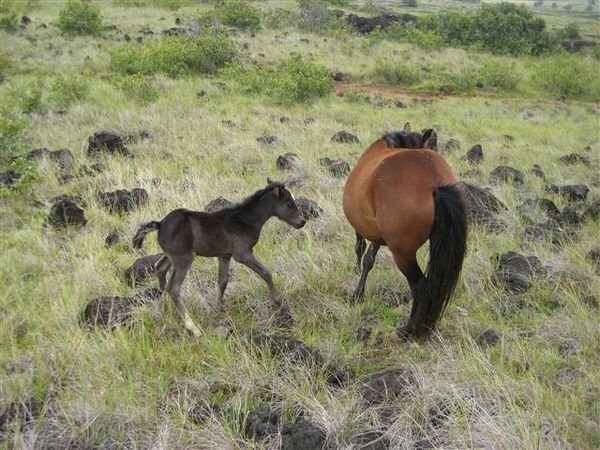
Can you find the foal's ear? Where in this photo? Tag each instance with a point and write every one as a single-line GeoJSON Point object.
{"type": "Point", "coordinates": [407, 127]}
{"type": "Point", "coordinates": [269, 181]}
{"type": "Point", "coordinates": [429, 139]}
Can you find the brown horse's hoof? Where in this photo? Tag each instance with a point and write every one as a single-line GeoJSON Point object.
{"type": "Point", "coordinates": [406, 333]}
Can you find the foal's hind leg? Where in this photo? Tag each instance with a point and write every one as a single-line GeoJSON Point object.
{"type": "Point", "coordinates": [161, 268]}
{"type": "Point", "coordinates": [223, 277]}
{"type": "Point", "coordinates": [181, 265]}
{"type": "Point", "coordinates": [367, 264]}
{"type": "Point", "coordinates": [359, 249]}
{"type": "Point", "coordinates": [414, 275]}
{"type": "Point", "coordinates": [249, 260]}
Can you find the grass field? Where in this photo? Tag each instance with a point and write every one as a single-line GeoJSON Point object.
{"type": "Point", "coordinates": [65, 386]}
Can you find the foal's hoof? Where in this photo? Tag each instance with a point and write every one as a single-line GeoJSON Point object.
{"type": "Point", "coordinates": [283, 317]}
{"type": "Point", "coordinates": [406, 333]}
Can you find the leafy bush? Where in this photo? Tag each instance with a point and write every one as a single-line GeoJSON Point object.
{"type": "Point", "coordinates": [175, 56]}
{"type": "Point", "coordinates": [279, 18]}
{"type": "Point", "coordinates": [569, 76]}
{"type": "Point", "coordinates": [396, 72]}
{"type": "Point", "coordinates": [12, 127]}
{"type": "Point", "coordinates": [80, 17]}
{"type": "Point", "coordinates": [291, 80]}
{"type": "Point", "coordinates": [498, 74]}
{"type": "Point", "coordinates": [172, 4]}
{"type": "Point", "coordinates": [139, 89]}
{"type": "Point", "coordinates": [503, 28]}
{"type": "Point", "coordinates": [27, 176]}
{"type": "Point", "coordinates": [8, 22]}
{"type": "Point", "coordinates": [571, 32]}
{"type": "Point", "coordinates": [239, 14]}
{"type": "Point", "coordinates": [66, 90]}
{"type": "Point", "coordinates": [313, 16]}
{"type": "Point", "coordinates": [413, 35]}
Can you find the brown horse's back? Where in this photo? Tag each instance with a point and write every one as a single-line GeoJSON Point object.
{"type": "Point", "coordinates": [388, 196]}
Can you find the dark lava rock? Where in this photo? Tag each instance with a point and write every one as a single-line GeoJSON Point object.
{"type": "Point", "coordinates": [550, 230]}
{"type": "Point", "coordinates": [308, 121]}
{"type": "Point", "coordinates": [371, 440]}
{"type": "Point", "coordinates": [393, 298]}
{"type": "Point", "coordinates": [451, 146]}
{"type": "Point", "coordinates": [336, 167]}
{"type": "Point", "coordinates": [141, 269]}
{"type": "Point", "coordinates": [267, 140]}
{"type": "Point", "coordinates": [592, 211]}
{"type": "Point", "coordinates": [112, 239]}
{"type": "Point", "coordinates": [297, 352]}
{"type": "Point", "coordinates": [538, 172]}
{"type": "Point", "coordinates": [475, 154]}
{"type": "Point", "coordinates": [365, 25]}
{"type": "Point", "coordinates": [146, 31]}
{"type": "Point", "coordinates": [175, 31]}
{"type": "Point", "coordinates": [66, 213]}
{"type": "Point", "coordinates": [9, 178]}
{"type": "Point", "coordinates": [483, 207]}
{"type": "Point", "coordinates": [574, 46]}
{"type": "Point", "coordinates": [218, 204]}
{"type": "Point", "coordinates": [310, 209]}
{"type": "Point", "coordinates": [504, 174]}
{"type": "Point", "coordinates": [574, 158]}
{"type": "Point", "coordinates": [63, 157]}
{"type": "Point", "coordinates": [25, 412]}
{"type": "Point", "coordinates": [515, 271]}
{"type": "Point", "coordinates": [572, 192]}
{"type": "Point", "coordinates": [489, 338]}
{"type": "Point", "coordinates": [111, 312]}
{"type": "Point", "coordinates": [123, 201]}
{"type": "Point", "coordinates": [106, 142]}
{"type": "Point", "coordinates": [569, 348]}
{"type": "Point", "coordinates": [530, 207]}
{"type": "Point", "coordinates": [386, 385]}
{"type": "Point", "coordinates": [298, 435]}
{"type": "Point", "coordinates": [25, 20]}
{"type": "Point", "coordinates": [340, 76]}
{"type": "Point", "coordinates": [363, 333]}
{"type": "Point", "coordinates": [288, 161]}
{"type": "Point", "coordinates": [594, 256]}
{"type": "Point", "coordinates": [589, 300]}
{"type": "Point", "coordinates": [570, 216]}
{"type": "Point", "coordinates": [345, 137]}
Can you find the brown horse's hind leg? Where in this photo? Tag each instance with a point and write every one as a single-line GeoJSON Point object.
{"type": "Point", "coordinates": [359, 249]}
{"type": "Point", "coordinates": [181, 265]}
{"type": "Point", "coordinates": [161, 268]}
{"type": "Point", "coordinates": [414, 275]}
{"type": "Point", "coordinates": [367, 264]}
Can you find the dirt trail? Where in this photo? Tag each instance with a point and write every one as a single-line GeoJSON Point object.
{"type": "Point", "coordinates": [396, 93]}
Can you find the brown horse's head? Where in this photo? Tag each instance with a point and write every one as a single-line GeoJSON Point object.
{"type": "Point", "coordinates": [285, 207]}
{"type": "Point", "coordinates": [411, 139]}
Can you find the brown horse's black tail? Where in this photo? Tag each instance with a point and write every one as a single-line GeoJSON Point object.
{"type": "Point", "coordinates": [143, 230]}
{"type": "Point", "coordinates": [447, 248]}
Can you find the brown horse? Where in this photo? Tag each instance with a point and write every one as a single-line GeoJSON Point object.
{"type": "Point", "coordinates": [401, 197]}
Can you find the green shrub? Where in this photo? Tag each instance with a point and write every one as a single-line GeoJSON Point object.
{"type": "Point", "coordinates": [503, 28]}
{"type": "Point", "coordinates": [498, 75]}
{"type": "Point", "coordinates": [66, 90]}
{"type": "Point", "coordinates": [239, 14]}
{"type": "Point", "coordinates": [28, 175]}
{"type": "Point", "coordinates": [413, 35]}
{"type": "Point", "coordinates": [139, 89]}
{"type": "Point", "coordinates": [571, 32]}
{"type": "Point", "coordinates": [313, 16]}
{"type": "Point", "coordinates": [80, 17]}
{"type": "Point", "coordinates": [8, 22]}
{"type": "Point", "coordinates": [279, 18]}
{"type": "Point", "coordinates": [396, 72]}
{"type": "Point", "coordinates": [291, 80]}
{"type": "Point", "coordinates": [171, 4]}
{"type": "Point", "coordinates": [175, 56]}
{"type": "Point", "coordinates": [12, 128]}
{"type": "Point", "coordinates": [569, 76]}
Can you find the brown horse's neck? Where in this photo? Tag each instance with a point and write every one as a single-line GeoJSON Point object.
{"type": "Point", "coordinates": [378, 146]}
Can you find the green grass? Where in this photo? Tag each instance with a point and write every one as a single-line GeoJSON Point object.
{"type": "Point", "coordinates": [134, 387]}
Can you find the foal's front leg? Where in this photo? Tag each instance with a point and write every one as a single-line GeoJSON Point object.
{"type": "Point", "coordinates": [249, 260]}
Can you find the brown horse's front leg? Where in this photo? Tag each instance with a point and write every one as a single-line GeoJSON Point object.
{"type": "Point", "coordinates": [367, 264]}
{"type": "Point", "coordinates": [249, 260]}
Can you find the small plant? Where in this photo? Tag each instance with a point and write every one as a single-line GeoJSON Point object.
{"type": "Point", "coordinates": [8, 22]}
{"type": "Point", "coordinates": [396, 72]}
{"type": "Point", "coordinates": [569, 76]}
{"type": "Point", "coordinates": [175, 56]}
{"type": "Point", "coordinates": [80, 17]}
{"type": "Point", "coordinates": [66, 90]}
{"type": "Point", "coordinates": [571, 32]}
{"type": "Point", "coordinates": [5, 65]}
{"type": "Point", "coordinates": [12, 127]}
{"type": "Point", "coordinates": [138, 88]}
{"type": "Point", "coordinates": [498, 75]}
{"type": "Point", "coordinates": [313, 16]}
{"type": "Point", "coordinates": [171, 4]}
{"type": "Point", "coordinates": [292, 80]}
{"type": "Point", "coordinates": [25, 174]}
{"type": "Point", "coordinates": [239, 14]}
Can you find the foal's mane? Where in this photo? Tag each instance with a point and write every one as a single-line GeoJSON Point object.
{"type": "Point", "coordinates": [257, 195]}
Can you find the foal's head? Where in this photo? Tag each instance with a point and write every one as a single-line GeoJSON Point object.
{"type": "Point", "coordinates": [285, 207]}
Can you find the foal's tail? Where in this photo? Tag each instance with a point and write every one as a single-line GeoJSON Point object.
{"type": "Point", "coordinates": [143, 230]}
{"type": "Point", "coordinates": [447, 248]}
